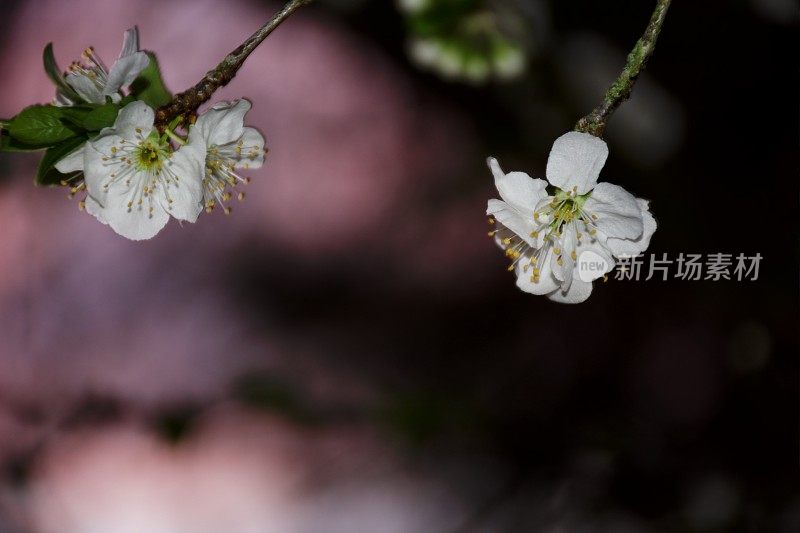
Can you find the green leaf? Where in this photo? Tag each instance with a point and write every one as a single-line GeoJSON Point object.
{"type": "Point", "coordinates": [45, 124]}
{"type": "Point", "coordinates": [47, 173]}
{"type": "Point", "coordinates": [149, 87]}
{"type": "Point", "coordinates": [100, 117]}
{"type": "Point", "coordinates": [54, 73]}
{"type": "Point", "coordinates": [10, 144]}
{"type": "Point", "coordinates": [74, 115]}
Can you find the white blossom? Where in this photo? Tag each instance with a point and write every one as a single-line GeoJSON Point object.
{"type": "Point", "coordinates": [230, 147]}
{"type": "Point", "coordinates": [93, 81]}
{"type": "Point", "coordinates": [546, 227]}
{"type": "Point", "coordinates": [134, 179]}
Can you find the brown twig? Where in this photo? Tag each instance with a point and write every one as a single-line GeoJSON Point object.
{"type": "Point", "coordinates": [186, 103]}
{"type": "Point", "coordinates": [620, 90]}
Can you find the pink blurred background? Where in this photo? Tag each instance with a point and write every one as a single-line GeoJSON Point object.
{"type": "Point", "coordinates": [346, 352]}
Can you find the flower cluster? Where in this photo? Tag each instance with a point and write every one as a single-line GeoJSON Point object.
{"type": "Point", "coordinates": [552, 229]}
{"type": "Point", "coordinates": [134, 177]}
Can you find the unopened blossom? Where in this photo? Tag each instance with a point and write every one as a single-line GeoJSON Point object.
{"type": "Point", "coordinates": [230, 147]}
{"type": "Point", "coordinates": [93, 81]}
{"type": "Point", "coordinates": [134, 179]}
{"type": "Point", "coordinates": [551, 230]}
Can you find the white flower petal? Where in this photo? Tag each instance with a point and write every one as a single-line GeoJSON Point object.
{"type": "Point", "coordinates": [545, 208]}
{"type": "Point", "coordinates": [85, 87]}
{"type": "Point", "coordinates": [247, 152]}
{"type": "Point", "coordinates": [99, 163]}
{"type": "Point", "coordinates": [252, 155]}
{"type": "Point", "coordinates": [517, 188]}
{"type": "Point", "coordinates": [187, 195]}
{"type": "Point", "coordinates": [578, 292]}
{"type": "Point", "coordinates": [138, 224]}
{"type": "Point", "coordinates": [223, 123]}
{"type": "Point", "coordinates": [95, 209]}
{"type": "Point", "coordinates": [567, 245]}
{"type": "Point", "coordinates": [510, 218]}
{"type": "Point", "coordinates": [72, 162]}
{"type": "Point", "coordinates": [130, 42]}
{"type": "Point", "coordinates": [547, 282]}
{"type": "Point", "coordinates": [124, 71]}
{"type": "Point", "coordinates": [634, 247]}
{"type": "Point", "coordinates": [134, 115]}
{"type": "Point", "coordinates": [618, 214]}
{"type": "Point", "coordinates": [575, 161]}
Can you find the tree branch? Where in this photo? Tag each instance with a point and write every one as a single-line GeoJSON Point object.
{"type": "Point", "coordinates": [595, 122]}
{"type": "Point", "coordinates": [187, 102]}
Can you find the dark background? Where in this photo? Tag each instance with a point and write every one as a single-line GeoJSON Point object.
{"type": "Point", "coordinates": [652, 406]}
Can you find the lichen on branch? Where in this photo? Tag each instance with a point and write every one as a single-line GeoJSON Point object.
{"type": "Point", "coordinates": [619, 91]}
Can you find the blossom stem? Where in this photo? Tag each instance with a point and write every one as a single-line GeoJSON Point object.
{"type": "Point", "coordinates": [187, 102]}
{"type": "Point", "coordinates": [175, 137]}
{"type": "Point", "coordinates": [595, 122]}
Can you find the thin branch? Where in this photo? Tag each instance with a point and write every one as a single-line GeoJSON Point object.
{"type": "Point", "coordinates": [620, 90]}
{"type": "Point", "coordinates": [187, 102]}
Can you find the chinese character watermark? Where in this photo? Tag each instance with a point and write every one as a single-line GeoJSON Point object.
{"type": "Point", "coordinates": [688, 267]}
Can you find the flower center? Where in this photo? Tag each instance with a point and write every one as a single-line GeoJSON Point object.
{"type": "Point", "coordinates": [565, 207]}
{"type": "Point", "coordinates": [221, 175]}
{"type": "Point", "coordinates": [141, 171]}
{"type": "Point", "coordinates": [151, 153]}
{"type": "Point", "coordinates": [561, 216]}
{"type": "Point", "coordinates": [94, 69]}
